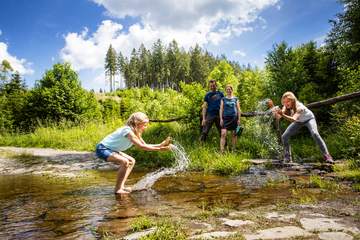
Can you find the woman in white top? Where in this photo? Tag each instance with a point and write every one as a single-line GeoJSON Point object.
{"type": "Point", "coordinates": [299, 116]}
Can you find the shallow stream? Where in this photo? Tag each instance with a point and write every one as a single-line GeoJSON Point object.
{"type": "Point", "coordinates": [46, 206]}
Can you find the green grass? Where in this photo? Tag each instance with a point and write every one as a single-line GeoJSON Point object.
{"type": "Point", "coordinates": [210, 161]}
{"type": "Point", "coordinates": [352, 175]}
{"type": "Point", "coordinates": [318, 182]}
{"type": "Point", "coordinates": [350, 171]}
{"type": "Point", "coordinates": [302, 196]}
{"type": "Point", "coordinates": [141, 223]}
{"type": "Point", "coordinates": [82, 137]}
{"type": "Point", "coordinates": [203, 157]}
{"type": "Point", "coordinates": [166, 229]}
{"type": "Point", "coordinates": [356, 187]}
{"type": "Point", "coordinates": [214, 209]}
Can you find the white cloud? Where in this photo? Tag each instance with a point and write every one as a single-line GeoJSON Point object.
{"type": "Point", "coordinates": [20, 65]}
{"type": "Point", "coordinates": [189, 22]}
{"type": "Point", "coordinates": [86, 51]}
{"type": "Point", "coordinates": [239, 53]}
{"type": "Point", "coordinates": [188, 13]}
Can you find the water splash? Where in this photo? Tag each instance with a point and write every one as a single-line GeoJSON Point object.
{"type": "Point", "coordinates": [181, 163]}
{"type": "Point", "coordinates": [263, 130]}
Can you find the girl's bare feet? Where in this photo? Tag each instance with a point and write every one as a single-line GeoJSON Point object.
{"type": "Point", "coordinates": [121, 191]}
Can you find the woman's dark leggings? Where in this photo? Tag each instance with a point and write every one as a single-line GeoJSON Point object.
{"type": "Point", "coordinates": [295, 126]}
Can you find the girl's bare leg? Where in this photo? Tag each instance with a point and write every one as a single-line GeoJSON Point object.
{"type": "Point", "coordinates": [128, 170]}
{"type": "Point", "coordinates": [123, 166]}
{"type": "Point", "coordinates": [222, 140]}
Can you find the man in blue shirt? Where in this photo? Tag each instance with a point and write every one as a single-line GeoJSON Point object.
{"type": "Point", "coordinates": [210, 110]}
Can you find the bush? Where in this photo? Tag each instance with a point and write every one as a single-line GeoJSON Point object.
{"type": "Point", "coordinates": [156, 104]}
{"type": "Point", "coordinates": [110, 109]}
{"type": "Point", "coordinates": [59, 96]}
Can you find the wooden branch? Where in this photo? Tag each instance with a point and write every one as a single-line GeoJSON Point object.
{"type": "Point", "coordinates": [167, 120]}
{"type": "Point", "coordinates": [253, 114]}
{"type": "Point", "coordinates": [334, 100]}
{"type": "Point", "coordinates": [310, 105]}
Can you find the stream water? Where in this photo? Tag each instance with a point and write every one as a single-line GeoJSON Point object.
{"type": "Point", "coordinates": [181, 163]}
{"type": "Point", "coordinates": [47, 199]}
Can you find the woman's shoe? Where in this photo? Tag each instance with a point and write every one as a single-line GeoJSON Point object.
{"type": "Point", "coordinates": [328, 158]}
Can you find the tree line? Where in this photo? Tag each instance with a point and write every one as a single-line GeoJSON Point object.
{"type": "Point", "coordinates": [161, 66]}
{"type": "Point", "coordinates": [313, 73]}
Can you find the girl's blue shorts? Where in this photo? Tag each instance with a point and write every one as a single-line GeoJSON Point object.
{"type": "Point", "coordinates": [103, 152]}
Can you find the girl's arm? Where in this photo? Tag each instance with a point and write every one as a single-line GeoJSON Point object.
{"type": "Point", "coordinates": [139, 142]}
{"type": "Point", "coordinates": [238, 111]}
{"type": "Point", "coordinates": [292, 118]}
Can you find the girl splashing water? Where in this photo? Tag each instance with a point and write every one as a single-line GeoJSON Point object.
{"type": "Point", "coordinates": [299, 116]}
{"type": "Point", "coordinates": [112, 146]}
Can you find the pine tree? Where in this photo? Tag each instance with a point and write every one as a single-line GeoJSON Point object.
{"type": "Point", "coordinates": [157, 64]}
{"type": "Point", "coordinates": [198, 69]}
{"type": "Point", "coordinates": [111, 66]}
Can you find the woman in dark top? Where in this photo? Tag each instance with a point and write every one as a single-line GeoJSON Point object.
{"type": "Point", "coordinates": [229, 116]}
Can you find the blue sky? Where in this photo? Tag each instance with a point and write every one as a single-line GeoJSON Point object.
{"type": "Point", "coordinates": [36, 34]}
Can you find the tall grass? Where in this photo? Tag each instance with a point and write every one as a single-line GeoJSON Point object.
{"type": "Point", "coordinates": [81, 137]}
{"type": "Point", "coordinates": [203, 157]}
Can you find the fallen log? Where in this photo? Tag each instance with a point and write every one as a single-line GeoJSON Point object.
{"type": "Point", "coordinates": [167, 120]}
{"type": "Point", "coordinates": [318, 104]}
{"type": "Point", "coordinates": [333, 100]}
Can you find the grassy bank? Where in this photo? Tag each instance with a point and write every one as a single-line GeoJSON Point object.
{"type": "Point", "coordinates": [253, 143]}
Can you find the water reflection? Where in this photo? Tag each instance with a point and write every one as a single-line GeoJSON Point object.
{"type": "Point", "coordinates": [42, 207]}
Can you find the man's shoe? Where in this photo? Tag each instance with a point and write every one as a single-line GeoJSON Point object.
{"type": "Point", "coordinates": [287, 158]}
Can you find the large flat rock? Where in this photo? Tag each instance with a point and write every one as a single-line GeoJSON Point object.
{"type": "Point", "coordinates": [334, 236]}
{"type": "Point", "coordinates": [280, 217]}
{"type": "Point", "coordinates": [236, 223]}
{"type": "Point", "coordinates": [213, 235]}
{"type": "Point", "coordinates": [278, 233]}
{"type": "Point", "coordinates": [326, 224]}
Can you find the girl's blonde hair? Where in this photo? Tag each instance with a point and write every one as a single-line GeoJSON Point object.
{"type": "Point", "coordinates": [135, 119]}
{"type": "Point", "coordinates": [290, 96]}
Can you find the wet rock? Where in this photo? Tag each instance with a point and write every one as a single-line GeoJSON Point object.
{"type": "Point", "coordinates": [138, 235]}
{"type": "Point", "coordinates": [335, 236]}
{"type": "Point", "coordinates": [317, 215]}
{"type": "Point", "coordinates": [46, 161]}
{"type": "Point", "coordinates": [236, 223]}
{"type": "Point", "coordinates": [278, 233]}
{"type": "Point", "coordinates": [212, 235]}
{"type": "Point", "coordinates": [326, 224]}
{"type": "Point", "coordinates": [259, 161]}
{"type": "Point", "coordinates": [199, 226]}
{"type": "Point", "coordinates": [238, 213]}
{"type": "Point", "coordinates": [281, 217]}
